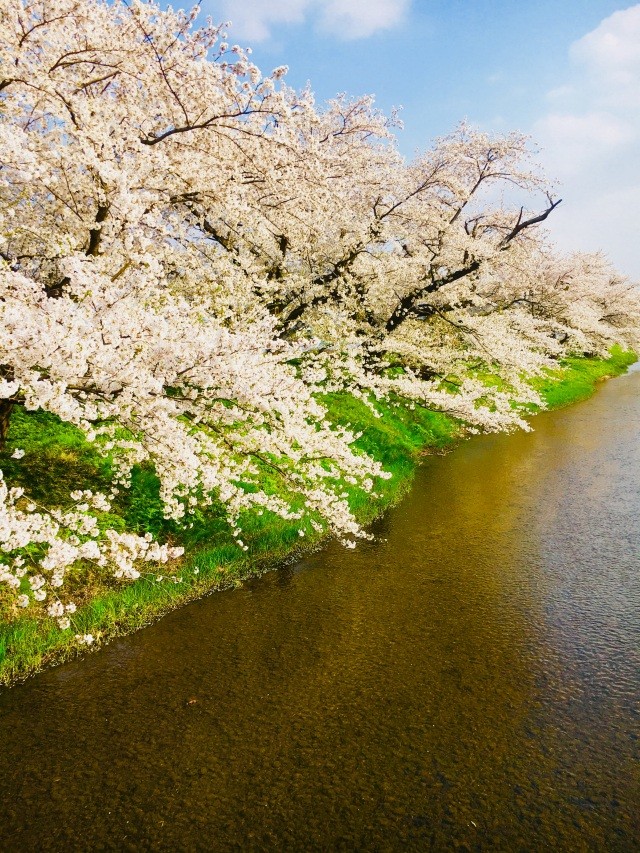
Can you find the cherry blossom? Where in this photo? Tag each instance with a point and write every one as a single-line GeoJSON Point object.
{"type": "Point", "coordinates": [192, 253]}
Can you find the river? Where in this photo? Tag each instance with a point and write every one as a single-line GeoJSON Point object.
{"type": "Point", "coordinates": [468, 681]}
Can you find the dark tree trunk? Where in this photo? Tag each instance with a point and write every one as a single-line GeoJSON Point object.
{"type": "Point", "coordinates": [6, 407]}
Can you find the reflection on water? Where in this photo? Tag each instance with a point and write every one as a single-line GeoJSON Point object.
{"type": "Point", "coordinates": [468, 681]}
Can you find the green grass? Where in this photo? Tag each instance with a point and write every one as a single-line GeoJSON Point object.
{"type": "Point", "coordinates": [58, 460]}
{"type": "Point", "coordinates": [577, 377]}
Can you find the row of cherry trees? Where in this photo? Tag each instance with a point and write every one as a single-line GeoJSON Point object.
{"type": "Point", "coordinates": [190, 251]}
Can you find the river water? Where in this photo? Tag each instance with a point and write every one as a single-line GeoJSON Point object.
{"type": "Point", "coordinates": [468, 681]}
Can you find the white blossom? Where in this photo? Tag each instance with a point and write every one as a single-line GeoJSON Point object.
{"type": "Point", "coordinates": [56, 608]}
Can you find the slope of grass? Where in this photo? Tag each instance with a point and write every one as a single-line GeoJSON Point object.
{"type": "Point", "coordinates": [577, 378]}
{"type": "Point", "coordinates": [58, 460]}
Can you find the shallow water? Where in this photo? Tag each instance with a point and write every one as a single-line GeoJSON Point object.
{"type": "Point", "coordinates": [470, 680]}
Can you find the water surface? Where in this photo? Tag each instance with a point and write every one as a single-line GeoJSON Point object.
{"type": "Point", "coordinates": [470, 680]}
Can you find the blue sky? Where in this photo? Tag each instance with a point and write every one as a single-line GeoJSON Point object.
{"type": "Point", "coordinates": [565, 71]}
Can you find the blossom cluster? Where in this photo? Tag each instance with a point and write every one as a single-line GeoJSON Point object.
{"type": "Point", "coordinates": [39, 545]}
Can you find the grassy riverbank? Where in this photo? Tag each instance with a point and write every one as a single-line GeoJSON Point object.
{"type": "Point", "coordinates": [58, 460]}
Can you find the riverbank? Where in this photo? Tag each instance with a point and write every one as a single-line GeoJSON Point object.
{"type": "Point", "coordinates": [56, 458]}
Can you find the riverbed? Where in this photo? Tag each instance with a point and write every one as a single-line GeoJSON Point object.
{"type": "Point", "coordinates": [470, 679]}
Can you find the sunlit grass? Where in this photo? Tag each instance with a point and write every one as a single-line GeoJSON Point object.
{"type": "Point", "coordinates": [577, 377]}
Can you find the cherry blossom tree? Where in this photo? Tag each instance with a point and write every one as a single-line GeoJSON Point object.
{"type": "Point", "coordinates": [191, 252]}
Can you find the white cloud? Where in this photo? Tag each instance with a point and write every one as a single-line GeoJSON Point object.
{"type": "Point", "coordinates": [560, 93]}
{"type": "Point", "coordinates": [257, 20]}
{"type": "Point", "coordinates": [612, 50]}
{"type": "Point", "coordinates": [593, 145]}
{"type": "Point", "coordinates": [575, 141]}
{"type": "Point", "coordinates": [252, 19]}
{"type": "Point", "coordinates": [361, 18]}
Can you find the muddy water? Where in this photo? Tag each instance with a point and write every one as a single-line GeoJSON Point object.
{"type": "Point", "coordinates": [468, 681]}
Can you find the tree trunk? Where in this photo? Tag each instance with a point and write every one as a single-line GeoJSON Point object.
{"type": "Point", "coordinates": [6, 407]}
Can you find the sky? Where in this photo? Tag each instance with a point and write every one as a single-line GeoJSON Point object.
{"type": "Point", "coordinates": [566, 72]}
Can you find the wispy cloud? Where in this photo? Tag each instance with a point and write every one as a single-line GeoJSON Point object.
{"type": "Point", "coordinates": [257, 20]}
{"type": "Point", "coordinates": [611, 54]}
{"type": "Point", "coordinates": [591, 141]}
{"type": "Point", "coordinates": [361, 18]}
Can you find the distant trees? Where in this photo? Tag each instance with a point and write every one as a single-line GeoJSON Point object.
{"type": "Point", "coordinates": [190, 250]}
